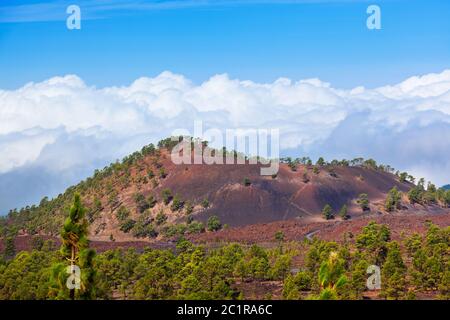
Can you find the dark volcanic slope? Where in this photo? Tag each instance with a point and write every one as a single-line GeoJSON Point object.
{"type": "Point", "coordinates": [285, 197]}
{"type": "Point", "coordinates": [266, 199]}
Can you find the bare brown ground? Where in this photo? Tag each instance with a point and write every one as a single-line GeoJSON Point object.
{"type": "Point", "coordinates": [297, 230]}
{"type": "Point", "coordinates": [282, 198]}
{"type": "Point", "coordinates": [264, 233]}
{"type": "Point", "coordinates": [25, 243]}
{"type": "Point", "coordinates": [259, 290]}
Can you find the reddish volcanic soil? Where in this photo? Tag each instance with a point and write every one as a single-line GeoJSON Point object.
{"type": "Point", "coordinates": [264, 233]}
{"type": "Point", "coordinates": [25, 243]}
{"type": "Point", "coordinates": [332, 230]}
{"type": "Point", "coordinates": [285, 197]}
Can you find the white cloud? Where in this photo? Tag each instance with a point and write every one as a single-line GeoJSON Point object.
{"type": "Point", "coordinates": [22, 148]}
{"type": "Point", "coordinates": [430, 85]}
{"type": "Point", "coordinates": [62, 123]}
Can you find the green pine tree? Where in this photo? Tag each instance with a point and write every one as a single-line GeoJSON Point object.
{"type": "Point", "coordinates": [393, 199]}
{"type": "Point", "coordinates": [327, 212]}
{"type": "Point", "coordinates": [343, 213]}
{"type": "Point", "coordinates": [75, 250]}
{"type": "Point", "coordinates": [393, 273]}
{"type": "Point", "coordinates": [363, 201]}
{"type": "Point", "coordinates": [331, 277]}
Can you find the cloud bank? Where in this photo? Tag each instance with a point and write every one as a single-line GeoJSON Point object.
{"type": "Point", "coordinates": [56, 132]}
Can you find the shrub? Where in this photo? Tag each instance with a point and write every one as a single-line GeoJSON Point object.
{"type": "Point", "coordinates": [161, 218]}
{"type": "Point", "coordinates": [373, 239]}
{"type": "Point", "coordinates": [214, 223]}
{"type": "Point", "coordinates": [151, 201]}
{"type": "Point", "coordinates": [205, 203]}
{"type": "Point", "coordinates": [122, 214]}
{"type": "Point", "coordinates": [281, 267]}
{"type": "Point", "coordinates": [293, 166]}
{"type": "Point", "coordinates": [127, 225]}
{"type": "Point", "coordinates": [415, 195]}
{"type": "Point", "coordinates": [393, 273]}
{"type": "Point", "coordinates": [327, 212]}
{"type": "Point", "coordinates": [279, 236]}
{"type": "Point", "coordinates": [195, 227]}
{"type": "Point", "coordinates": [363, 201]}
{"type": "Point", "coordinates": [343, 213]}
{"type": "Point", "coordinates": [162, 173]}
{"type": "Point", "coordinates": [141, 203]}
{"type": "Point", "coordinates": [393, 199]}
{"type": "Point", "coordinates": [175, 230]}
{"type": "Point", "coordinates": [320, 162]}
{"type": "Point", "coordinates": [142, 230]}
{"type": "Point", "coordinates": [177, 203]}
{"type": "Point", "coordinates": [293, 284]}
{"type": "Point", "coordinates": [402, 177]}
{"type": "Point", "coordinates": [305, 177]}
{"type": "Point", "coordinates": [166, 195]}
{"type": "Point", "coordinates": [188, 207]}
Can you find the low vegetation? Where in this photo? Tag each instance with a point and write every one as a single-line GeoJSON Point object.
{"type": "Point", "coordinates": [416, 265]}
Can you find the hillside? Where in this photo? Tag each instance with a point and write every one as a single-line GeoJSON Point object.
{"type": "Point", "coordinates": [226, 232]}
{"type": "Point", "coordinates": [146, 196]}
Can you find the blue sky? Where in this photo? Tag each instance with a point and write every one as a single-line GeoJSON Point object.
{"type": "Point", "coordinates": [260, 41]}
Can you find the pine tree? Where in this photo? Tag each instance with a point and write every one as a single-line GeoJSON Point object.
{"type": "Point", "coordinates": [189, 208]}
{"type": "Point", "coordinates": [10, 249]}
{"type": "Point", "coordinates": [393, 274]}
{"type": "Point", "coordinates": [373, 240]}
{"type": "Point", "coordinates": [75, 249]}
{"type": "Point", "coordinates": [177, 203]}
{"type": "Point", "coordinates": [331, 277]}
{"type": "Point", "coordinates": [343, 212]}
{"type": "Point", "coordinates": [166, 195]}
{"type": "Point", "coordinates": [320, 162]}
{"type": "Point", "coordinates": [357, 283]}
{"type": "Point", "coordinates": [363, 201]}
{"type": "Point", "coordinates": [393, 199]}
{"type": "Point", "coordinates": [327, 212]}
{"type": "Point", "coordinates": [305, 177]}
{"type": "Point", "coordinates": [214, 223]}
{"type": "Point", "coordinates": [415, 195]}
